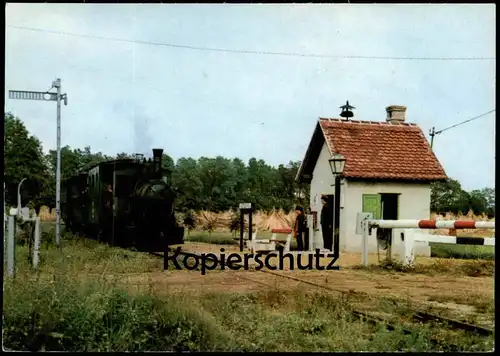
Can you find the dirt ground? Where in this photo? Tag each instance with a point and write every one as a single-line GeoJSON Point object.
{"type": "Point", "coordinates": [417, 287]}
{"type": "Point", "coordinates": [421, 290]}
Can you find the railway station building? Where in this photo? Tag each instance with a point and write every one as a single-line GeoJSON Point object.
{"type": "Point", "coordinates": [389, 167]}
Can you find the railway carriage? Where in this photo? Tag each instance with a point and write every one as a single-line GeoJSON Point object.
{"type": "Point", "coordinates": [125, 202]}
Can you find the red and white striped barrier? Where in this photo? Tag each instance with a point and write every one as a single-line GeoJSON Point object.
{"type": "Point", "coordinates": [431, 224]}
{"type": "Point", "coordinates": [410, 236]}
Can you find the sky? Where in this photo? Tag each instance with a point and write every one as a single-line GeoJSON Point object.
{"type": "Point", "coordinates": [131, 97]}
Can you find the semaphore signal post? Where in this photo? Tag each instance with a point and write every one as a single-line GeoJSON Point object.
{"type": "Point", "coordinates": [49, 96]}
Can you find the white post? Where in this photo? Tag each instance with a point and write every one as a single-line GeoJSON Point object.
{"type": "Point", "coordinates": [57, 84]}
{"type": "Point", "coordinates": [36, 248]}
{"type": "Point", "coordinates": [409, 247]}
{"type": "Point", "coordinates": [365, 242]}
{"type": "Point", "coordinates": [10, 246]}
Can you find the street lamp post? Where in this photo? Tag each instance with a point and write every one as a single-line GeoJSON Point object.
{"type": "Point", "coordinates": [337, 163]}
{"type": "Point", "coordinates": [19, 196]}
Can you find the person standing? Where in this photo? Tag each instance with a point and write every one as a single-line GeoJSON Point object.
{"type": "Point", "coordinates": [299, 227]}
{"type": "Point", "coordinates": [327, 223]}
{"type": "Point", "coordinates": [306, 230]}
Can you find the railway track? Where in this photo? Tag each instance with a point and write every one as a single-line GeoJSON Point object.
{"type": "Point", "coordinates": [417, 315]}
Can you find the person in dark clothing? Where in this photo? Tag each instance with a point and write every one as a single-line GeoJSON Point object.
{"type": "Point", "coordinates": [306, 231]}
{"type": "Point", "coordinates": [299, 227]}
{"type": "Point", "coordinates": [327, 223]}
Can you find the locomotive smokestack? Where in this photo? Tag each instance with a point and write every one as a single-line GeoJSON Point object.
{"type": "Point", "coordinates": [157, 154]}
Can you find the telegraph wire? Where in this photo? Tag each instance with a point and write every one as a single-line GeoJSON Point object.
{"type": "Point", "coordinates": [463, 122]}
{"type": "Point", "coordinates": [210, 49]}
{"type": "Point", "coordinates": [433, 132]}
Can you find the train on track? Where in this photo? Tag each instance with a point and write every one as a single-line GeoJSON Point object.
{"type": "Point", "coordinates": [126, 202]}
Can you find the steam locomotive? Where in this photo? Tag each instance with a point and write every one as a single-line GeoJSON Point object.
{"type": "Point", "coordinates": [127, 202]}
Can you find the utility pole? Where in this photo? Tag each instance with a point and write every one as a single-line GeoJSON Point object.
{"type": "Point", "coordinates": [48, 96]}
{"type": "Point", "coordinates": [432, 133]}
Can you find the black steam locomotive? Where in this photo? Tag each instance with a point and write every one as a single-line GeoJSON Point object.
{"type": "Point", "coordinates": [127, 202]}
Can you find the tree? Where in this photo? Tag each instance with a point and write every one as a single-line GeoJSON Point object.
{"type": "Point", "coordinates": [240, 183]}
{"type": "Point", "coordinates": [489, 195]}
{"type": "Point", "coordinates": [448, 196]}
{"type": "Point", "coordinates": [260, 179]}
{"type": "Point", "coordinates": [214, 184]}
{"type": "Point", "coordinates": [74, 160]}
{"type": "Point", "coordinates": [477, 202]}
{"type": "Point", "coordinates": [167, 162]}
{"type": "Point", "coordinates": [185, 179]}
{"type": "Point", "coordinates": [217, 178]}
{"type": "Point", "coordinates": [482, 201]}
{"type": "Point", "coordinates": [23, 158]}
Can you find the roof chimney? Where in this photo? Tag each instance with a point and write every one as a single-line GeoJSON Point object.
{"type": "Point", "coordinates": [396, 114]}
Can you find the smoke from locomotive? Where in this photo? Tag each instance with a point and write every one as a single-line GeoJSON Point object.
{"type": "Point", "coordinates": [124, 201]}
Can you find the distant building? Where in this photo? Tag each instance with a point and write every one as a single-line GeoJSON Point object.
{"type": "Point", "coordinates": [388, 170]}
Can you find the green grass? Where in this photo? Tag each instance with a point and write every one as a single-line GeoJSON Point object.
{"type": "Point", "coordinates": [222, 238]}
{"type": "Point", "coordinates": [482, 304]}
{"type": "Point", "coordinates": [71, 304]}
{"type": "Point", "coordinates": [439, 267]}
{"type": "Point", "coordinates": [71, 315]}
{"type": "Point", "coordinates": [443, 250]}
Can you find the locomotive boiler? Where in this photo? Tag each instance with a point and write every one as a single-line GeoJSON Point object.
{"type": "Point", "coordinates": [128, 202]}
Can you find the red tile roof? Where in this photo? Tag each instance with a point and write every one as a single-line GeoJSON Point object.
{"type": "Point", "coordinates": [382, 150]}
